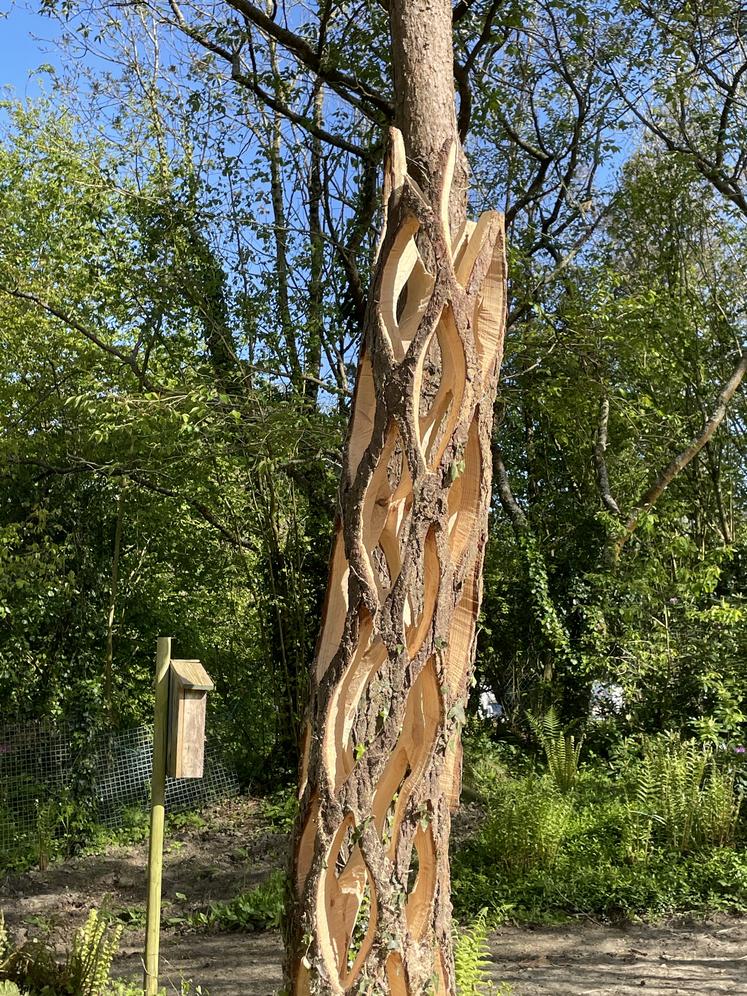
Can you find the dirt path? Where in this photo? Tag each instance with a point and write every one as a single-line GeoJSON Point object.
{"type": "Point", "coordinates": [662, 960]}
{"type": "Point", "coordinates": [670, 960]}
{"type": "Point", "coordinates": [233, 851]}
{"type": "Point", "coordinates": [236, 848]}
{"type": "Point", "coordinates": [223, 964]}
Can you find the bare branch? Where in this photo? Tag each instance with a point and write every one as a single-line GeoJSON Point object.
{"type": "Point", "coordinates": [681, 461]}
{"type": "Point", "coordinates": [251, 84]}
{"type": "Point", "coordinates": [600, 458]}
{"type": "Point", "coordinates": [728, 186]}
{"type": "Point", "coordinates": [507, 499]}
{"type": "Point", "coordinates": [295, 118]}
{"type": "Point", "coordinates": [311, 59]}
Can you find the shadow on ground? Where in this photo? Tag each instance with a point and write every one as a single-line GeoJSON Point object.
{"type": "Point", "coordinates": [235, 847]}
{"type": "Point", "coordinates": [223, 964]}
{"type": "Point", "coordinates": [597, 960]}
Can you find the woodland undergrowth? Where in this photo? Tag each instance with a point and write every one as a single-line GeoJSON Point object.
{"type": "Point", "coordinates": [655, 829]}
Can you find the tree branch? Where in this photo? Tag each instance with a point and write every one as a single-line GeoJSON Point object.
{"type": "Point", "coordinates": [86, 467]}
{"type": "Point", "coordinates": [233, 60]}
{"type": "Point", "coordinates": [202, 510]}
{"type": "Point", "coordinates": [127, 358]}
{"type": "Point", "coordinates": [600, 460]}
{"type": "Point", "coordinates": [728, 186]}
{"type": "Point", "coordinates": [681, 461]}
{"type": "Point", "coordinates": [311, 59]}
{"type": "Point", "coordinates": [506, 496]}
{"type": "Point", "coordinates": [294, 117]}
{"type": "Point", "coordinates": [461, 10]}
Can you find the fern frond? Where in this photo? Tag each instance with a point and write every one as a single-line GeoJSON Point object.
{"type": "Point", "coordinates": [681, 798]}
{"type": "Point", "coordinates": [562, 751]}
{"type": "Point", "coordinates": [4, 939]}
{"type": "Point", "coordinates": [10, 989]}
{"type": "Point", "coordinates": [472, 956]}
{"type": "Point", "coordinates": [94, 947]}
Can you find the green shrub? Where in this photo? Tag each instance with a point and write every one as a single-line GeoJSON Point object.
{"type": "Point", "coordinates": [540, 856]}
{"type": "Point", "coordinates": [186, 988]}
{"type": "Point", "coordinates": [485, 764]}
{"type": "Point", "coordinates": [590, 879]}
{"type": "Point", "coordinates": [259, 909]}
{"type": "Point", "coordinates": [562, 751]}
{"type": "Point", "coordinates": [280, 809]}
{"type": "Point", "coordinates": [526, 825]}
{"type": "Point", "coordinates": [680, 799]}
{"type": "Point", "coordinates": [85, 972]}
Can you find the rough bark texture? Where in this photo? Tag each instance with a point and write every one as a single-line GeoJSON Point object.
{"type": "Point", "coordinates": [381, 755]}
{"type": "Point", "coordinates": [600, 458]}
{"type": "Point", "coordinates": [315, 333]}
{"type": "Point", "coordinates": [423, 65]}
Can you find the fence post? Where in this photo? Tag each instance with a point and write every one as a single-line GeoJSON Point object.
{"type": "Point", "coordinates": [157, 813]}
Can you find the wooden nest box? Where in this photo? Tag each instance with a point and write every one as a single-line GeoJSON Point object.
{"type": "Point", "coordinates": [189, 684]}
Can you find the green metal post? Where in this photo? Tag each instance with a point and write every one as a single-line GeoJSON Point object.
{"type": "Point", "coordinates": [157, 813]}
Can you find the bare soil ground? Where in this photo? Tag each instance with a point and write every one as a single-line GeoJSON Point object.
{"type": "Point", "coordinates": [598, 960]}
{"type": "Point", "coordinates": [236, 849]}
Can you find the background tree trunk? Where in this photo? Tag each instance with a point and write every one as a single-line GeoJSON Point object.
{"type": "Point", "coordinates": [381, 756]}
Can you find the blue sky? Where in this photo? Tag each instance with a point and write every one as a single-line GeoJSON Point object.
{"type": "Point", "coordinates": [26, 42]}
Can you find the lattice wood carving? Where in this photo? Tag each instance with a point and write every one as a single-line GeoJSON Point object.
{"type": "Point", "coordinates": [381, 764]}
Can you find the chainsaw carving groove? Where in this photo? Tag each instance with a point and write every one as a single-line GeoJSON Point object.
{"type": "Point", "coordinates": [381, 756]}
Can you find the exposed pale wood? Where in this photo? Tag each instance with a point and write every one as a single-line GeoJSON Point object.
{"type": "Point", "coordinates": [381, 761]}
{"type": "Point", "coordinates": [306, 842]}
{"type": "Point", "coordinates": [420, 900]}
{"type": "Point", "coordinates": [395, 975]}
{"type": "Point", "coordinates": [335, 606]}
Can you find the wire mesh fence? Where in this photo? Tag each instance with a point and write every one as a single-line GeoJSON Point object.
{"type": "Point", "coordinates": [45, 770]}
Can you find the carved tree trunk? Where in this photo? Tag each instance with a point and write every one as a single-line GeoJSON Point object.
{"type": "Point", "coordinates": [381, 757]}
